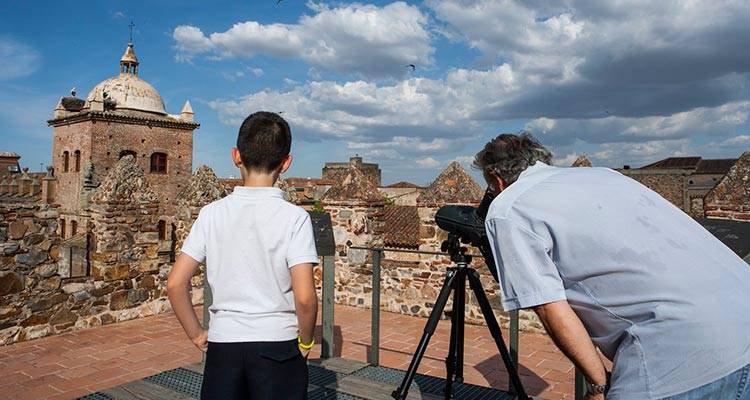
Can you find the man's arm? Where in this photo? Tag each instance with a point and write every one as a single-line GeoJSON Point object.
{"type": "Point", "coordinates": [305, 301]}
{"type": "Point", "coordinates": [177, 291]}
{"type": "Point", "coordinates": [569, 334]}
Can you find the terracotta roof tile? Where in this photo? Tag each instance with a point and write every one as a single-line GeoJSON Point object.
{"type": "Point", "coordinates": [399, 226]}
{"type": "Point", "coordinates": [674, 163]}
{"type": "Point", "coordinates": [403, 185]}
{"type": "Point", "coordinates": [452, 186]}
{"type": "Point", "coordinates": [719, 166]}
{"type": "Point", "coordinates": [355, 187]}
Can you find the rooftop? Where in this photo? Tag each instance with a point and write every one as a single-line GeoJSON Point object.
{"type": "Point", "coordinates": [452, 186]}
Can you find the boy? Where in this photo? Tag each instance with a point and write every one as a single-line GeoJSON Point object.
{"type": "Point", "coordinates": [259, 253]}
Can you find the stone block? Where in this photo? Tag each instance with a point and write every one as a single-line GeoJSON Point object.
{"type": "Point", "coordinates": [17, 229]}
{"type": "Point", "coordinates": [34, 238]}
{"type": "Point", "coordinates": [32, 258]}
{"type": "Point", "coordinates": [8, 312]}
{"type": "Point", "coordinates": [73, 287]}
{"type": "Point", "coordinates": [107, 319]}
{"type": "Point", "coordinates": [81, 296]}
{"type": "Point", "coordinates": [36, 332]}
{"type": "Point", "coordinates": [63, 316]}
{"type": "Point", "coordinates": [3, 234]}
{"type": "Point", "coordinates": [10, 282]}
{"type": "Point", "coordinates": [10, 249]}
{"type": "Point", "coordinates": [51, 283]}
{"type": "Point", "coordinates": [10, 335]}
{"type": "Point", "coordinates": [118, 300]}
{"type": "Point", "coordinates": [36, 319]}
{"type": "Point", "coordinates": [45, 271]}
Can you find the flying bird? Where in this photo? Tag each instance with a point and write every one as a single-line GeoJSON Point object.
{"type": "Point", "coordinates": [73, 91]}
{"type": "Point", "coordinates": [412, 66]}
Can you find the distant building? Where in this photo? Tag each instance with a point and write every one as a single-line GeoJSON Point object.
{"type": "Point", "coordinates": [9, 163]}
{"type": "Point", "coordinates": [336, 171]}
{"type": "Point", "coordinates": [684, 181]}
{"type": "Point", "coordinates": [123, 115]}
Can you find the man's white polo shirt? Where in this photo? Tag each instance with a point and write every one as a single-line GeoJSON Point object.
{"type": "Point", "coordinates": [249, 240]}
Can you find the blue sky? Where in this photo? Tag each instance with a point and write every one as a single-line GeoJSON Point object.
{"type": "Point", "coordinates": [624, 83]}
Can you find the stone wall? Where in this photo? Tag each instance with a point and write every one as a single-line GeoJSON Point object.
{"type": "Point", "coordinates": [125, 273]}
{"type": "Point", "coordinates": [669, 184]}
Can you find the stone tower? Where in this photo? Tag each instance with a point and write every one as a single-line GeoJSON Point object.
{"type": "Point", "coordinates": [123, 115]}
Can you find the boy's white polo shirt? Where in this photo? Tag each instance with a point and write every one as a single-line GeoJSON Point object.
{"type": "Point", "coordinates": [248, 241]}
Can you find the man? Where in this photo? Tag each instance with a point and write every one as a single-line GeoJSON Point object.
{"type": "Point", "coordinates": [606, 262]}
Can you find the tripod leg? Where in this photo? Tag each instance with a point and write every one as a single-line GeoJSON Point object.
{"type": "Point", "coordinates": [497, 335]}
{"type": "Point", "coordinates": [453, 344]}
{"type": "Point", "coordinates": [460, 311]}
{"type": "Point", "coordinates": [403, 389]}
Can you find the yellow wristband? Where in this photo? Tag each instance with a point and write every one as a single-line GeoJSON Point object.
{"type": "Point", "coordinates": [305, 346]}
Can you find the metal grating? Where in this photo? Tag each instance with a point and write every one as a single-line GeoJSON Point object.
{"type": "Point", "coordinates": [330, 394]}
{"type": "Point", "coordinates": [431, 384]}
{"type": "Point", "coordinates": [95, 396]}
{"type": "Point", "coordinates": [180, 380]}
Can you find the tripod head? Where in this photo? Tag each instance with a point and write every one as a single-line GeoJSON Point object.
{"type": "Point", "coordinates": [457, 252]}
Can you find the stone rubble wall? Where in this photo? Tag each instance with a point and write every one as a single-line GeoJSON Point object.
{"type": "Point", "coordinates": [127, 272]}
{"type": "Point", "coordinates": [410, 283]}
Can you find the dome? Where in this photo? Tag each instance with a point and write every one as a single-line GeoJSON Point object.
{"type": "Point", "coordinates": [129, 92]}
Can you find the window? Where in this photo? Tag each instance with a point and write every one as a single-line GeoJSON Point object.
{"type": "Point", "coordinates": [159, 163]}
{"type": "Point", "coordinates": [77, 156]}
{"type": "Point", "coordinates": [62, 228]}
{"type": "Point", "coordinates": [73, 228]}
{"type": "Point", "coordinates": [13, 168]}
{"type": "Point", "coordinates": [128, 153]}
{"type": "Point", "coordinates": [162, 227]}
{"type": "Point", "coordinates": [66, 161]}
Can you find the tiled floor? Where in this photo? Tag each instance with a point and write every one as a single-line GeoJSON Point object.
{"type": "Point", "coordinates": [70, 365]}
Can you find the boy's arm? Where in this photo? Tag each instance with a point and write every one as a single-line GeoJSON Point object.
{"type": "Point", "coordinates": [305, 301]}
{"type": "Point", "coordinates": [177, 291]}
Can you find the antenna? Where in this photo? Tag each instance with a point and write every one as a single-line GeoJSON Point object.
{"type": "Point", "coordinates": [131, 25]}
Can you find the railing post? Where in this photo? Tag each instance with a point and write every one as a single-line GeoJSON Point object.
{"type": "Point", "coordinates": [374, 356]}
{"type": "Point", "coordinates": [580, 385]}
{"type": "Point", "coordinates": [513, 341]}
{"type": "Point", "coordinates": [208, 299]}
{"type": "Point", "coordinates": [327, 347]}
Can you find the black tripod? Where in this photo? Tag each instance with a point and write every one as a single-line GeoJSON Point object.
{"type": "Point", "coordinates": [455, 281]}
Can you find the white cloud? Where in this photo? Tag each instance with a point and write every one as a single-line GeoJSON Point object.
{"type": "Point", "coordinates": [257, 72]}
{"type": "Point", "coordinates": [427, 162]}
{"type": "Point", "coordinates": [356, 38]}
{"type": "Point", "coordinates": [19, 59]}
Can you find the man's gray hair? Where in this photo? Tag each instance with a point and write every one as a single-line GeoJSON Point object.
{"type": "Point", "coordinates": [508, 155]}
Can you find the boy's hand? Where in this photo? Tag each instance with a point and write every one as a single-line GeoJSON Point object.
{"type": "Point", "coordinates": [304, 352]}
{"type": "Point", "coordinates": [201, 340]}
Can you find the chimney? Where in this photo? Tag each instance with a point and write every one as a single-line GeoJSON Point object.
{"type": "Point", "coordinates": [48, 186]}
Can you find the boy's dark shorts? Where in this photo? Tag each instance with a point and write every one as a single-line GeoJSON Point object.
{"type": "Point", "coordinates": [254, 370]}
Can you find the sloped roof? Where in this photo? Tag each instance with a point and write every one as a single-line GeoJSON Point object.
{"type": "Point", "coordinates": [452, 186]}
{"type": "Point", "coordinates": [203, 188]}
{"type": "Point", "coordinates": [302, 182]}
{"type": "Point", "coordinates": [403, 185]}
{"type": "Point", "coordinates": [355, 187]}
{"type": "Point", "coordinates": [399, 226]}
{"type": "Point", "coordinates": [717, 166]}
{"type": "Point", "coordinates": [734, 234]}
{"type": "Point", "coordinates": [125, 183]}
{"type": "Point", "coordinates": [674, 163]}
{"type": "Point", "coordinates": [9, 154]}
{"type": "Point", "coordinates": [581, 161]}
{"type": "Point", "coordinates": [734, 187]}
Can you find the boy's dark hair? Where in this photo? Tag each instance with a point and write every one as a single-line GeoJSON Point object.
{"type": "Point", "coordinates": [264, 141]}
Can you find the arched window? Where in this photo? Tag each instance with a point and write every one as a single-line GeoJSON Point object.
{"type": "Point", "coordinates": [66, 161]}
{"type": "Point", "coordinates": [159, 163]}
{"type": "Point", "coordinates": [73, 228]}
{"type": "Point", "coordinates": [128, 153]}
{"type": "Point", "coordinates": [162, 228]}
{"type": "Point", "coordinates": [62, 228]}
{"type": "Point", "coordinates": [77, 158]}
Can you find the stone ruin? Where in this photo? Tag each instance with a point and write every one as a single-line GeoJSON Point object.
{"type": "Point", "coordinates": [124, 269]}
{"type": "Point", "coordinates": [730, 198]}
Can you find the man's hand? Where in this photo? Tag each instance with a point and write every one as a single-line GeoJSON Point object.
{"type": "Point", "coordinates": [569, 334]}
{"type": "Point", "coordinates": [200, 340]}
